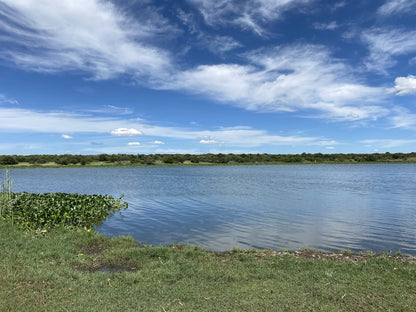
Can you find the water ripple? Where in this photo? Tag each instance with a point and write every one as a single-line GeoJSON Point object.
{"type": "Point", "coordinates": [357, 207]}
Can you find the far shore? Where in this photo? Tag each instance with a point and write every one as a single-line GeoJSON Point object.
{"type": "Point", "coordinates": [186, 164]}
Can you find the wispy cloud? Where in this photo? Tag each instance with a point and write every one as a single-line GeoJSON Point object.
{"type": "Point", "coordinates": [403, 118]}
{"type": "Point", "coordinates": [326, 26]}
{"type": "Point", "coordinates": [291, 78]}
{"type": "Point", "coordinates": [22, 120]}
{"type": "Point", "coordinates": [5, 100]}
{"type": "Point", "coordinates": [209, 142]}
{"type": "Point", "coordinates": [216, 44]}
{"type": "Point", "coordinates": [397, 7]}
{"type": "Point", "coordinates": [90, 35]}
{"type": "Point", "coordinates": [388, 143]}
{"type": "Point", "coordinates": [126, 132]}
{"type": "Point", "coordinates": [96, 37]}
{"type": "Point", "coordinates": [385, 44]}
{"type": "Point", "coordinates": [403, 85]}
{"type": "Point", "coordinates": [66, 136]}
{"type": "Point", "coordinates": [246, 14]}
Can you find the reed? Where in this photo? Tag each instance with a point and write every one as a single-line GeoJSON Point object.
{"type": "Point", "coordinates": [6, 197]}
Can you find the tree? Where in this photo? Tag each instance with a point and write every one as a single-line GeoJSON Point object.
{"type": "Point", "coordinates": [8, 160]}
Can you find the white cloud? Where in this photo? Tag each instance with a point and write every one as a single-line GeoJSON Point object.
{"type": "Point", "coordinates": [209, 142]}
{"type": "Point", "coordinates": [338, 5]}
{"type": "Point", "coordinates": [126, 132]}
{"type": "Point", "coordinates": [298, 77]}
{"type": "Point", "coordinates": [23, 120]}
{"type": "Point", "coordinates": [385, 43]}
{"type": "Point", "coordinates": [250, 14]}
{"type": "Point", "coordinates": [403, 85]}
{"type": "Point", "coordinates": [326, 26]}
{"type": "Point", "coordinates": [89, 35]}
{"type": "Point", "coordinates": [66, 136]}
{"type": "Point", "coordinates": [133, 144]}
{"type": "Point", "coordinates": [157, 142]}
{"type": "Point", "coordinates": [6, 100]}
{"type": "Point", "coordinates": [397, 7]}
{"type": "Point", "coordinates": [403, 119]}
{"type": "Point", "coordinates": [388, 143]}
{"type": "Point", "coordinates": [177, 151]}
{"type": "Point", "coordinates": [219, 44]}
{"type": "Point", "coordinates": [98, 38]}
{"type": "Point", "coordinates": [329, 147]}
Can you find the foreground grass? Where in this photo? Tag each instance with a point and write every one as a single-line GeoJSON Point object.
{"type": "Point", "coordinates": [85, 271]}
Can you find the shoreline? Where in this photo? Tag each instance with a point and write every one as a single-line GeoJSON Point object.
{"type": "Point", "coordinates": [121, 165]}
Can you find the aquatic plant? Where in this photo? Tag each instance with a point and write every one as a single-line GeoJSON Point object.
{"type": "Point", "coordinates": [48, 210]}
{"type": "Point", "coordinates": [43, 211]}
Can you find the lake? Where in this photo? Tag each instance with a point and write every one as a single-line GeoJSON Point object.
{"type": "Point", "coordinates": [325, 207]}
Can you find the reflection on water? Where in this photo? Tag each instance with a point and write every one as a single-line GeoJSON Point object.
{"type": "Point", "coordinates": [327, 207]}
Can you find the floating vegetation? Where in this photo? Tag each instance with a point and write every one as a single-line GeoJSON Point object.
{"type": "Point", "coordinates": [44, 211]}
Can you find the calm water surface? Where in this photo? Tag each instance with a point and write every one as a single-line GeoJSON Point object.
{"type": "Point", "coordinates": [327, 207]}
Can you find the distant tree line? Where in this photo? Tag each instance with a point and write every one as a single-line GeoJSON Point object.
{"type": "Point", "coordinates": [155, 159]}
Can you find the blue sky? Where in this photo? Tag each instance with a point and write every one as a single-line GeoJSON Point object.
{"type": "Point", "coordinates": [200, 76]}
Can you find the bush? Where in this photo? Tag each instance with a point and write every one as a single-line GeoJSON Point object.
{"type": "Point", "coordinates": [8, 160]}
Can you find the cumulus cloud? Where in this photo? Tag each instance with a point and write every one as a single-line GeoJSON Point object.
{"type": "Point", "coordinates": [397, 7]}
{"type": "Point", "coordinates": [126, 132]}
{"type": "Point", "coordinates": [403, 85]}
{"type": "Point", "coordinates": [157, 142]}
{"type": "Point", "coordinates": [133, 144]}
{"type": "Point", "coordinates": [66, 136]}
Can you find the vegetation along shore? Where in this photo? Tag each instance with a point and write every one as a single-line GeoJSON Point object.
{"type": "Point", "coordinates": [45, 161]}
{"type": "Point", "coordinates": [52, 259]}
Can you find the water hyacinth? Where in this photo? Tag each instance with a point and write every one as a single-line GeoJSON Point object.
{"type": "Point", "coordinates": [44, 211]}
{"type": "Point", "coordinates": [36, 211]}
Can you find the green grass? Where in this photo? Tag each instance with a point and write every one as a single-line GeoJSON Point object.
{"type": "Point", "coordinates": [80, 270]}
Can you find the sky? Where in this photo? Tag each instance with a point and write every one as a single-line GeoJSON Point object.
{"type": "Point", "coordinates": [207, 76]}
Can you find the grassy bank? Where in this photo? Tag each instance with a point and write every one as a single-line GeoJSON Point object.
{"type": "Point", "coordinates": [80, 270]}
